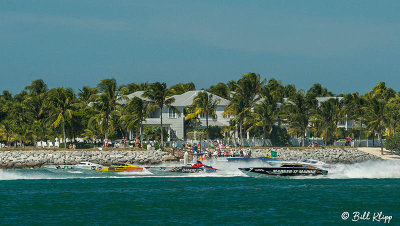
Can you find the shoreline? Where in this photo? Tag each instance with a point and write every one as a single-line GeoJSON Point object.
{"type": "Point", "coordinates": [23, 159]}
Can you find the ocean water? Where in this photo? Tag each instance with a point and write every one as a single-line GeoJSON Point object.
{"type": "Point", "coordinates": [40, 197]}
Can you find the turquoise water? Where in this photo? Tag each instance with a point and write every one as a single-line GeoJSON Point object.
{"type": "Point", "coordinates": [39, 197]}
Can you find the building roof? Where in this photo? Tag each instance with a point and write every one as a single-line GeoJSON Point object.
{"type": "Point", "coordinates": [323, 99]}
{"type": "Point", "coordinates": [184, 99]}
{"type": "Point", "coordinates": [132, 95]}
{"type": "Point", "coordinates": [187, 98]}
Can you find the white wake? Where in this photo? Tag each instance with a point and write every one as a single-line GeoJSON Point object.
{"type": "Point", "coordinates": [369, 169]}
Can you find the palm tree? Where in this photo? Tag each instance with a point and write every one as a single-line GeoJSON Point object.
{"type": "Point", "coordinates": [266, 112]}
{"type": "Point", "coordinates": [87, 94]}
{"type": "Point", "coordinates": [158, 94]}
{"type": "Point", "coordinates": [246, 93]}
{"type": "Point", "coordinates": [8, 127]}
{"type": "Point", "coordinates": [105, 104]}
{"type": "Point", "coordinates": [297, 111]}
{"type": "Point", "coordinates": [133, 87]}
{"type": "Point", "coordinates": [206, 104]}
{"type": "Point", "coordinates": [392, 115]}
{"type": "Point", "coordinates": [19, 111]}
{"type": "Point", "coordinates": [181, 88]}
{"type": "Point", "coordinates": [92, 132]}
{"type": "Point", "coordinates": [136, 111]}
{"type": "Point", "coordinates": [220, 89]}
{"type": "Point", "coordinates": [40, 129]}
{"type": "Point", "coordinates": [375, 116]}
{"type": "Point", "coordinates": [61, 101]}
{"type": "Point", "coordinates": [37, 110]}
{"type": "Point", "coordinates": [328, 116]}
{"type": "Point", "coordinates": [237, 107]}
{"type": "Point", "coordinates": [352, 107]}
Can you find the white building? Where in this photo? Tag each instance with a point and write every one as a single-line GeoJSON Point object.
{"type": "Point", "coordinates": [174, 121]}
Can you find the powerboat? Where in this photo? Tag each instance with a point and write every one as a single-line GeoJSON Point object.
{"type": "Point", "coordinates": [289, 169]}
{"type": "Point", "coordinates": [59, 167]}
{"type": "Point", "coordinates": [317, 163]}
{"type": "Point", "coordinates": [88, 166]}
{"type": "Point", "coordinates": [195, 168]}
{"type": "Point", "coordinates": [120, 167]}
{"type": "Point", "coordinates": [79, 166]}
{"type": "Point", "coordinates": [198, 167]}
{"type": "Point", "coordinates": [311, 162]}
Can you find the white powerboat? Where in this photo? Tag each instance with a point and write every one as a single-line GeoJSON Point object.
{"type": "Point", "coordinates": [79, 166]}
{"type": "Point", "coordinates": [316, 163]}
{"type": "Point", "coordinates": [59, 167]}
{"type": "Point", "coordinates": [88, 166]}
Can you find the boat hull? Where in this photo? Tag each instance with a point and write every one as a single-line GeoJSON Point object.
{"type": "Point", "coordinates": [189, 169]}
{"type": "Point", "coordinates": [59, 167]}
{"type": "Point", "coordinates": [121, 169]}
{"type": "Point", "coordinates": [283, 171]}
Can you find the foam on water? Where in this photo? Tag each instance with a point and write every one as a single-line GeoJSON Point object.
{"type": "Point", "coordinates": [29, 175]}
{"type": "Point", "coordinates": [369, 169]}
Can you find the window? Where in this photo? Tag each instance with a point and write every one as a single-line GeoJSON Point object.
{"type": "Point", "coordinates": [172, 134]}
{"type": "Point", "coordinates": [228, 116]}
{"type": "Point", "coordinates": [203, 116]}
{"type": "Point", "coordinates": [172, 113]}
{"type": "Point", "coordinates": [154, 114]}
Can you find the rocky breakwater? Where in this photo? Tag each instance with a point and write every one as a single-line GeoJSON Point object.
{"type": "Point", "coordinates": [37, 158]}
{"type": "Point", "coordinates": [328, 155]}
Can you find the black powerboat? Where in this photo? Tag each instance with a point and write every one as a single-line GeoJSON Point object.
{"type": "Point", "coordinates": [289, 169]}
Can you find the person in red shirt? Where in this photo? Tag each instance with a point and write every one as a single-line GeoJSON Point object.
{"type": "Point", "coordinates": [348, 139]}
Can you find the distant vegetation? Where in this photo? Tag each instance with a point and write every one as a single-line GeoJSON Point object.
{"type": "Point", "coordinates": [257, 106]}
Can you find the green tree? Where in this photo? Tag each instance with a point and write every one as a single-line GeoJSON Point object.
{"type": "Point", "coordinates": [297, 114]}
{"type": "Point", "coordinates": [266, 112]}
{"type": "Point", "coordinates": [158, 94]}
{"type": "Point", "coordinates": [181, 88]}
{"type": "Point", "coordinates": [392, 113]}
{"type": "Point", "coordinates": [328, 115]}
{"type": "Point", "coordinates": [220, 89]}
{"type": "Point", "coordinates": [7, 129]}
{"type": "Point", "coordinates": [374, 115]}
{"type": "Point", "coordinates": [105, 104]}
{"type": "Point", "coordinates": [37, 110]}
{"type": "Point", "coordinates": [392, 143]}
{"type": "Point", "coordinates": [206, 104]}
{"type": "Point", "coordinates": [289, 91]}
{"type": "Point", "coordinates": [375, 109]}
{"type": "Point", "coordinates": [133, 87]}
{"type": "Point", "coordinates": [92, 132]}
{"type": "Point", "coordinates": [352, 108]}
{"type": "Point", "coordinates": [87, 95]}
{"type": "Point", "coordinates": [247, 93]}
{"type": "Point", "coordinates": [136, 111]}
{"type": "Point", "coordinates": [61, 101]}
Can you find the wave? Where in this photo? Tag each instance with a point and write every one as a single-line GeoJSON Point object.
{"type": "Point", "coordinates": [370, 169]}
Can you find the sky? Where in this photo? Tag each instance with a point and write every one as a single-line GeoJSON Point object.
{"type": "Point", "coordinates": [345, 45]}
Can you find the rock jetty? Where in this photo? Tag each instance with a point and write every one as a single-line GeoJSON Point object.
{"type": "Point", "coordinates": [37, 158]}
{"type": "Point", "coordinates": [328, 155]}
